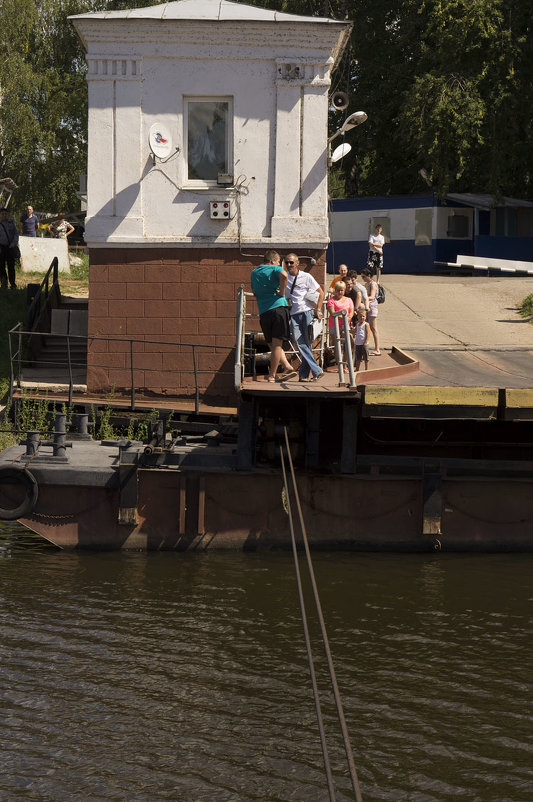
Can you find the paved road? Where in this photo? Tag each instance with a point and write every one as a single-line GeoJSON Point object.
{"type": "Point", "coordinates": [454, 311]}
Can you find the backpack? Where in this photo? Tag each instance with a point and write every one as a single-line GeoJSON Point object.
{"type": "Point", "coordinates": [380, 295]}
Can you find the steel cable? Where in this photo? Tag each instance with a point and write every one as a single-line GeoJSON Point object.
{"type": "Point", "coordinates": [323, 743]}
{"type": "Point", "coordinates": [327, 650]}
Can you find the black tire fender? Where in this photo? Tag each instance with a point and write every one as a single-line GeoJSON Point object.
{"type": "Point", "coordinates": [14, 474]}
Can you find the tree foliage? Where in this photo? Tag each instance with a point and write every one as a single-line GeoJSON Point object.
{"type": "Point", "coordinates": [447, 86]}
{"type": "Point", "coordinates": [43, 100]}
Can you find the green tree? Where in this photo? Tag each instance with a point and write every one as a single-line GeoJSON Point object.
{"type": "Point", "coordinates": [43, 99]}
{"type": "Point", "coordinates": [447, 86]}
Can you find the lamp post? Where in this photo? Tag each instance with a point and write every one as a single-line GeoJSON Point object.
{"type": "Point", "coordinates": [355, 119]}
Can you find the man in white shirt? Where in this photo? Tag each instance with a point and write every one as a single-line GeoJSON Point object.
{"type": "Point", "coordinates": [300, 287]}
{"type": "Point", "coordinates": [375, 253]}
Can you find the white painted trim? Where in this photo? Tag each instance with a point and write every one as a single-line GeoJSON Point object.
{"type": "Point", "coordinates": [114, 68]}
{"type": "Point", "coordinates": [195, 184]}
{"type": "Point", "coordinates": [177, 244]}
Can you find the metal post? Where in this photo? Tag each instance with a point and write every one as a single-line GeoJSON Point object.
{"type": "Point", "coordinates": [324, 332]}
{"type": "Point", "coordinates": [11, 377]}
{"type": "Point", "coordinates": [69, 369]}
{"type": "Point", "coordinates": [338, 352]}
{"type": "Point", "coordinates": [348, 352]}
{"type": "Point", "coordinates": [347, 347]}
{"type": "Point", "coordinates": [132, 377]}
{"type": "Point", "coordinates": [19, 358]}
{"type": "Point", "coordinates": [239, 342]}
{"type": "Point", "coordinates": [197, 392]}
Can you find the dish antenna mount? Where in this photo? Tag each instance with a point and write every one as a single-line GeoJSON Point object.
{"type": "Point", "coordinates": [160, 142]}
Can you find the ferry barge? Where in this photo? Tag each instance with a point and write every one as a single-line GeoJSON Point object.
{"type": "Point", "coordinates": [387, 466]}
{"type": "Point", "coordinates": [207, 146]}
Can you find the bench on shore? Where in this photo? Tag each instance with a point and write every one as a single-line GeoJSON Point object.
{"type": "Point", "coordinates": [489, 265]}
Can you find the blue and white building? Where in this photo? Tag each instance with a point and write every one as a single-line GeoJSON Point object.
{"type": "Point", "coordinates": [420, 230]}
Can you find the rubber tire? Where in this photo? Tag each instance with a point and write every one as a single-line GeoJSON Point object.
{"type": "Point", "coordinates": [24, 476]}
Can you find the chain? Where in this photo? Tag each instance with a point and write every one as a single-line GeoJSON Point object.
{"type": "Point", "coordinates": [54, 517]}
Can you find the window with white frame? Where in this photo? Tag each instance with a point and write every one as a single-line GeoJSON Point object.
{"type": "Point", "coordinates": [208, 138]}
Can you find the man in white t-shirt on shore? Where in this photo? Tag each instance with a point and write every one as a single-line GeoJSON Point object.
{"type": "Point", "coordinates": [375, 253]}
{"type": "Point", "coordinates": [299, 285]}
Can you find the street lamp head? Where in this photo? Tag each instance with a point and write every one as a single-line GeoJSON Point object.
{"type": "Point", "coordinates": [353, 121]}
{"type": "Point", "coordinates": [340, 152]}
{"type": "Point", "coordinates": [350, 122]}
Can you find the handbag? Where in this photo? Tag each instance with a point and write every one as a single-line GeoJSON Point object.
{"type": "Point", "coordinates": [380, 295]}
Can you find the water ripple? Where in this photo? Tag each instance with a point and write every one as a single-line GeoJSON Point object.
{"type": "Point", "coordinates": [184, 677]}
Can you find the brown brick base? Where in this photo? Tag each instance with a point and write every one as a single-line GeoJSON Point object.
{"type": "Point", "coordinates": [156, 304]}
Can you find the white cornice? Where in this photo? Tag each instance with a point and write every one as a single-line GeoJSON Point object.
{"type": "Point", "coordinates": [250, 39]}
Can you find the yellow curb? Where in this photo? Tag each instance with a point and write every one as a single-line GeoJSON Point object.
{"type": "Point", "coordinates": [519, 398]}
{"type": "Point", "coordinates": [432, 396]}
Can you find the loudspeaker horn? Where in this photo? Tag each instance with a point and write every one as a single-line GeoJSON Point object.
{"type": "Point", "coordinates": [339, 101]}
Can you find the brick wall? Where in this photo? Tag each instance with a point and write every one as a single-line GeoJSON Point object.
{"type": "Point", "coordinates": [164, 299]}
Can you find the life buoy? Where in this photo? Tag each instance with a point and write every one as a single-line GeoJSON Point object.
{"type": "Point", "coordinates": [14, 474]}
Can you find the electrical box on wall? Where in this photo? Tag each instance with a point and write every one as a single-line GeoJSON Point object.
{"type": "Point", "coordinates": [220, 210]}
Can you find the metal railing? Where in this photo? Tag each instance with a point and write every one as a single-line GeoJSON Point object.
{"type": "Point", "coordinates": [348, 358]}
{"type": "Point", "coordinates": [20, 358]}
{"type": "Point", "coordinates": [240, 350]}
{"type": "Point", "coordinates": [241, 315]}
{"type": "Point", "coordinates": [40, 300]}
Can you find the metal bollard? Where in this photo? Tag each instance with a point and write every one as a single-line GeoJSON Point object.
{"type": "Point", "coordinates": [32, 443]}
{"type": "Point", "coordinates": [60, 437]}
{"type": "Point", "coordinates": [82, 423]}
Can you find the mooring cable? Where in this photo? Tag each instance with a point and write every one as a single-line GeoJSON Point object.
{"type": "Point", "coordinates": [320, 720]}
{"type": "Point", "coordinates": [333, 677]}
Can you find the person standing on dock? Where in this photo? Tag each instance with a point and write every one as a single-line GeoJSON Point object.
{"type": "Point", "coordinates": [353, 292]}
{"type": "Point", "coordinates": [29, 223]}
{"type": "Point", "coordinates": [61, 229]}
{"type": "Point", "coordinates": [375, 253]}
{"type": "Point", "coordinates": [362, 335]}
{"type": "Point", "coordinates": [372, 317]}
{"type": "Point", "coordinates": [269, 282]}
{"type": "Point", "coordinates": [343, 272]}
{"type": "Point", "coordinates": [9, 238]}
{"type": "Point", "coordinates": [299, 288]}
{"type": "Point", "coordinates": [359, 285]}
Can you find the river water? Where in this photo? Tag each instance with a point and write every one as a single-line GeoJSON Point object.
{"type": "Point", "coordinates": [184, 676]}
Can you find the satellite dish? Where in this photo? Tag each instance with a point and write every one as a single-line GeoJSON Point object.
{"type": "Point", "coordinates": [340, 152]}
{"type": "Point", "coordinates": [160, 141]}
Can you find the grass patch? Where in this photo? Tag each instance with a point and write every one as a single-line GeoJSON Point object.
{"type": "Point", "coordinates": [526, 307]}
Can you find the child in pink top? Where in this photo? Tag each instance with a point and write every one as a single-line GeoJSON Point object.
{"type": "Point", "coordinates": [338, 302]}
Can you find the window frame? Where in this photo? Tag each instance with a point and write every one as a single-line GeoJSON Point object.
{"type": "Point", "coordinates": [197, 183]}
